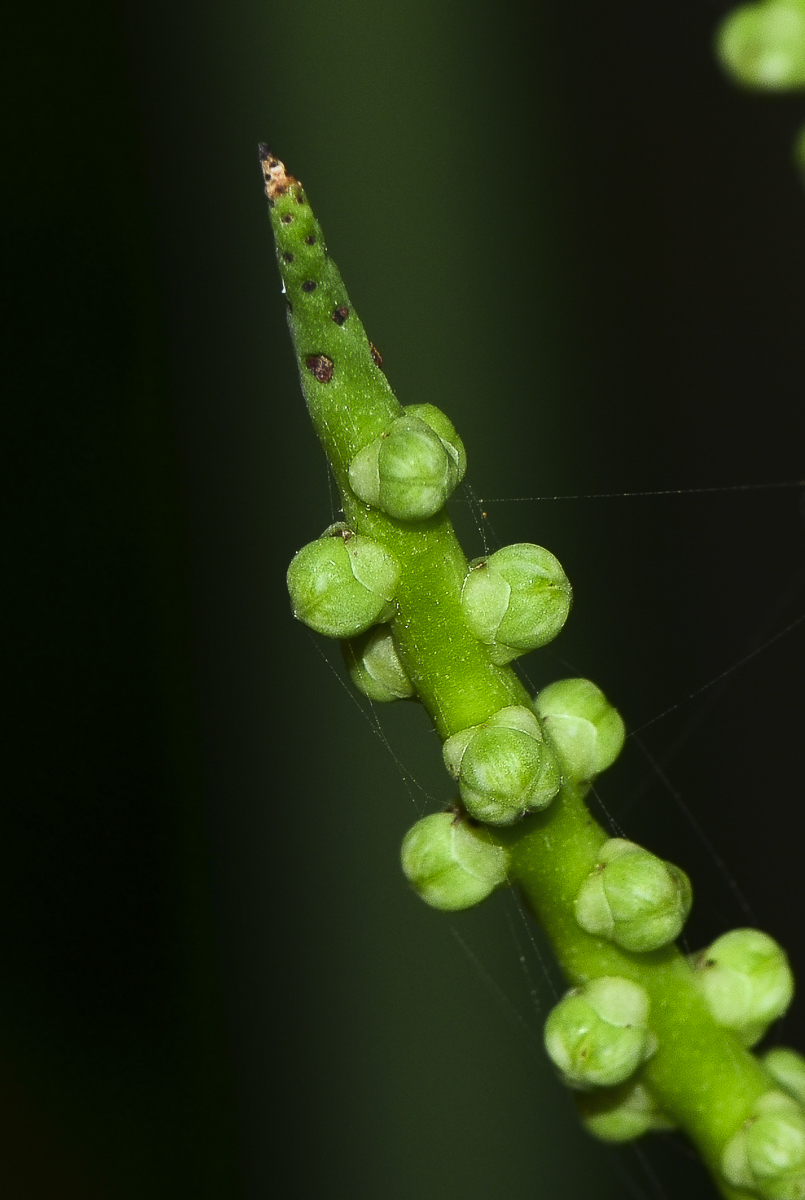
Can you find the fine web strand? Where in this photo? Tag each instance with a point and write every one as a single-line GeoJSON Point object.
{"type": "Point", "coordinates": [715, 489]}
{"type": "Point", "coordinates": [369, 713]}
{"type": "Point", "coordinates": [722, 868]}
{"type": "Point", "coordinates": [503, 1002]}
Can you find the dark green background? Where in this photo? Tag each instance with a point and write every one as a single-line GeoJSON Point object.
{"type": "Point", "coordinates": [562, 225]}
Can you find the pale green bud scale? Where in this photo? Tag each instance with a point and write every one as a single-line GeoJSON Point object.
{"type": "Point", "coordinates": [444, 427]}
{"type": "Point", "coordinates": [767, 1154]}
{"type": "Point", "coordinates": [598, 1034]}
{"type": "Point", "coordinates": [342, 583]}
{"type": "Point", "coordinates": [450, 863]}
{"type": "Point", "coordinates": [633, 898]}
{"type": "Point", "coordinates": [375, 668]}
{"type": "Point", "coordinates": [788, 1070]}
{"type": "Point", "coordinates": [516, 600]}
{"type": "Point", "coordinates": [504, 767]}
{"type": "Point", "coordinates": [746, 981]}
{"type": "Point", "coordinates": [621, 1114]}
{"type": "Point", "coordinates": [582, 726]}
{"type": "Point", "coordinates": [763, 45]}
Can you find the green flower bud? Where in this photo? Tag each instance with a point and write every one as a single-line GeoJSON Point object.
{"type": "Point", "coordinates": [504, 767]}
{"type": "Point", "coordinates": [598, 1035]}
{"type": "Point", "coordinates": [621, 1114]}
{"type": "Point", "coordinates": [410, 470]}
{"type": "Point", "coordinates": [342, 583]}
{"type": "Point", "coordinates": [767, 1154]}
{"type": "Point", "coordinates": [746, 980]}
{"type": "Point", "coordinates": [763, 45]}
{"type": "Point", "coordinates": [787, 1068]}
{"type": "Point", "coordinates": [450, 863]}
{"type": "Point", "coordinates": [632, 898]}
{"type": "Point", "coordinates": [516, 600]}
{"type": "Point", "coordinates": [582, 726]}
{"type": "Point", "coordinates": [375, 667]}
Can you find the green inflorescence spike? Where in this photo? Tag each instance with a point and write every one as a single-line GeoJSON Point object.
{"type": "Point", "coordinates": [652, 1038]}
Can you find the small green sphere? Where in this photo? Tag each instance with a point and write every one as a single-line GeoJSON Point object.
{"type": "Point", "coordinates": [598, 1034]}
{"type": "Point", "coordinates": [504, 767]}
{"type": "Point", "coordinates": [375, 667]}
{"type": "Point", "coordinates": [516, 600]}
{"type": "Point", "coordinates": [746, 981]}
{"type": "Point", "coordinates": [767, 1154]}
{"type": "Point", "coordinates": [451, 863]}
{"type": "Point", "coordinates": [763, 45]}
{"type": "Point", "coordinates": [343, 583]}
{"type": "Point", "coordinates": [633, 898]}
{"type": "Point", "coordinates": [582, 726]}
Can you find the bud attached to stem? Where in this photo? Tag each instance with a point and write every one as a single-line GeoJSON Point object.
{"type": "Point", "coordinates": [411, 469]}
{"type": "Point", "coordinates": [504, 767]}
{"type": "Point", "coordinates": [598, 1035]}
{"type": "Point", "coordinates": [451, 863]}
{"type": "Point", "coordinates": [767, 1154]}
{"type": "Point", "coordinates": [633, 898]}
{"type": "Point", "coordinates": [787, 1067]}
{"type": "Point", "coordinates": [746, 981]}
{"type": "Point", "coordinates": [342, 583]}
{"type": "Point", "coordinates": [621, 1114]}
{"type": "Point", "coordinates": [582, 726]}
{"type": "Point", "coordinates": [375, 667]}
{"type": "Point", "coordinates": [516, 600]}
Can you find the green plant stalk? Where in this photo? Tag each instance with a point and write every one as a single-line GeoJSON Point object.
{"type": "Point", "coordinates": [701, 1075]}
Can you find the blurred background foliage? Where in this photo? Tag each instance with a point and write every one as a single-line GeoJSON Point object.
{"type": "Point", "coordinates": [562, 225]}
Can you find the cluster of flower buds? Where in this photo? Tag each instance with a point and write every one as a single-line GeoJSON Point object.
{"type": "Point", "coordinates": [746, 982]}
{"type": "Point", "coordinates": [400, 465]}
{"type": "Point", "coordinates": [633, 898]}
{"type": "Point", "coordinates": [413, 467]}
{"type": "Point", "coordinates": [598, 1034]}
{"type": "Point", "coordinates": [451, 862]}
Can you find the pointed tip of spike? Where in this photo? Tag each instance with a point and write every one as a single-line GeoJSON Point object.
{"type": "Point", "coordinates": [277, 180]}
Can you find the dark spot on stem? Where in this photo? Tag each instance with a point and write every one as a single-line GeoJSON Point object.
{"type": "Point", "coordinates": [340, 315]}
{"type": "Point", "coordinates": [286, 220]}
{"type": "Point", "coordinates": [320, 366]}
{"type": "Point", "coordinates": [377, 357]}
{"type": "Point", "coordinates": [300, 197]}
{"type": "Point", "coordinates": [309, 285]}
{"type": "Point", "coordinates": [287, 256]}
{"type": "Point", "coordinates": [310, 240]}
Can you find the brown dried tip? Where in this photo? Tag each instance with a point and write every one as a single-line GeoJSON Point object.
{"type": "Point", "coordinates": [276, 179]}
